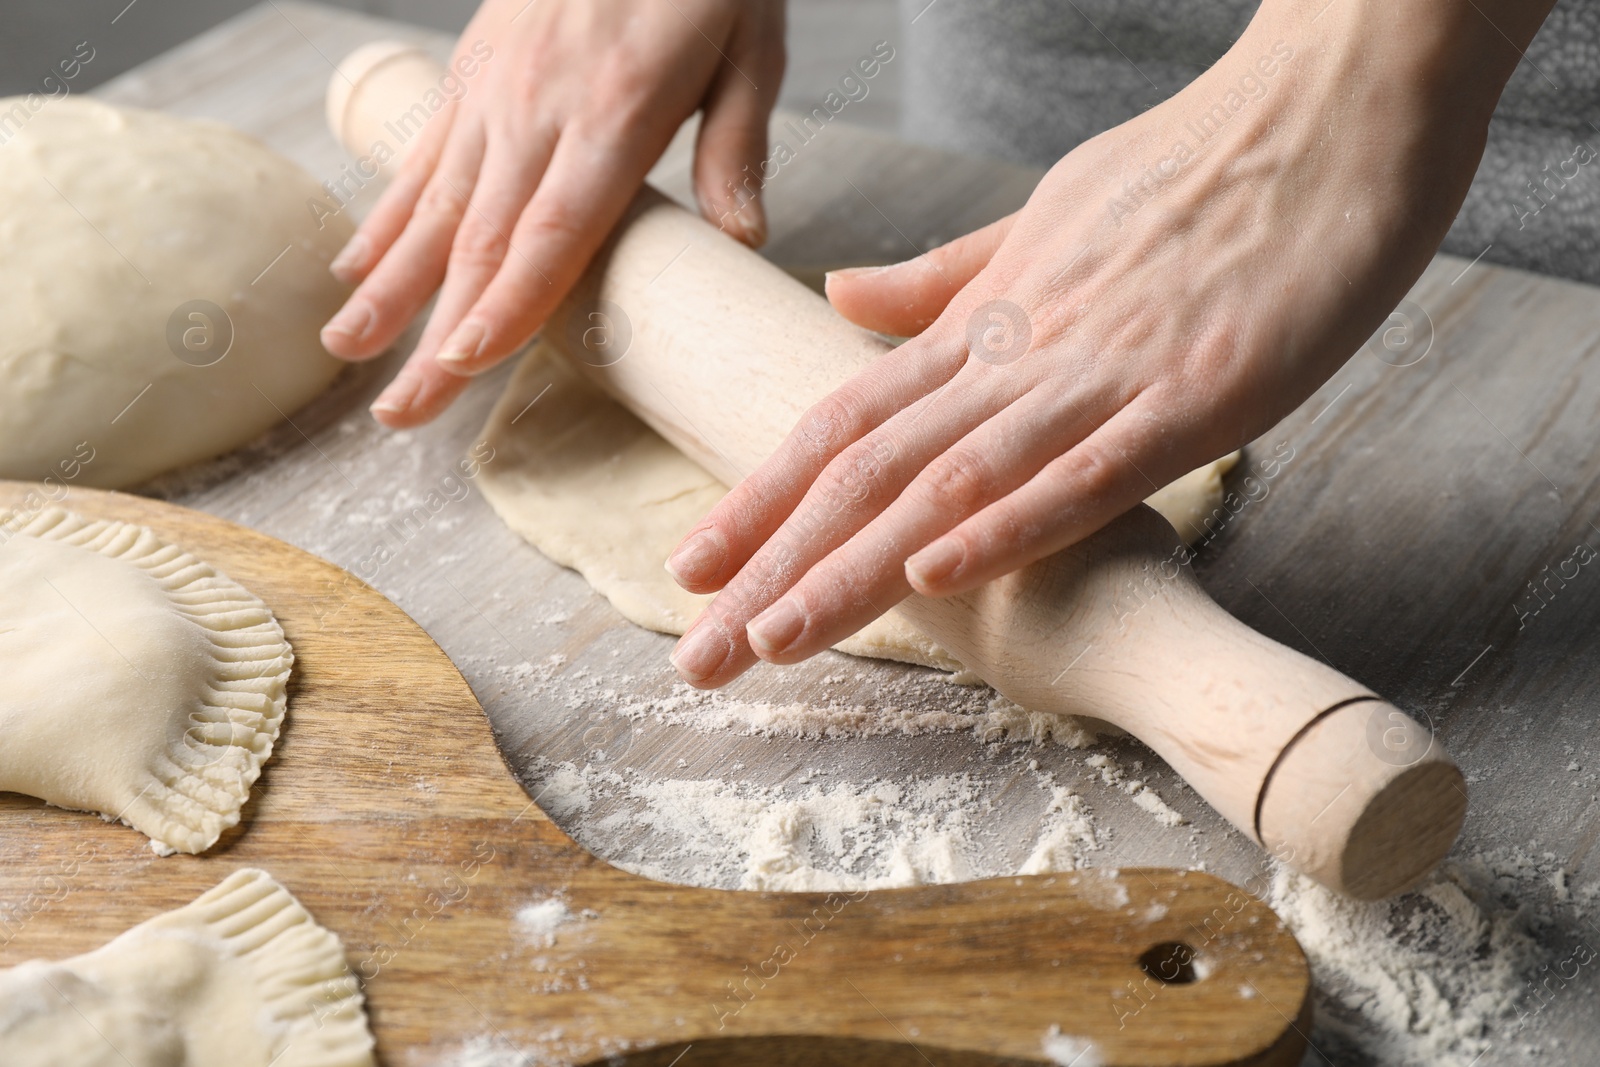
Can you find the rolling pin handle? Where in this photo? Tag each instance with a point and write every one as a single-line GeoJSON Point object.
{"type": "Point", "coordinates": [375, 87]}
{"type": "Point", "coordinates": [1364, 799]}
{"type": "Point", "coordinates": [1327, 777]}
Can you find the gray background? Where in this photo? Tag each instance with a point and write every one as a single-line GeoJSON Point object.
{"type": "Point", "coordinates": [824, 37]}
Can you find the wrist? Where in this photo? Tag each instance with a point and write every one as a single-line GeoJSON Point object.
{"type": "Point", "coordinates": [1436, 60]}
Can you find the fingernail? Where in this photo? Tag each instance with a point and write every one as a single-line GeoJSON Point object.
{"type": "Point", "coordinates": [858, 272]}
{"type": "Point", "coordinates": [775, 629]}
{"type": "Point", "coordinates": [351, 322]}
{"type": "Point", "coordinates": [398, 398]}
{"type": "Point", "coordinates": [697, 559]}
{"type": "Point", "coordinates": [936, 563]}
{"type": "Point", "coordinates": [701, 652]}
{"type": "Point", "coordinates": [348, 262]}
{"type": "Point", "coordinates": [461, 347]}
{"type": "Point", "coordinates": [740, 217]}
{"type": "Point", "coordinates": [753, 221]}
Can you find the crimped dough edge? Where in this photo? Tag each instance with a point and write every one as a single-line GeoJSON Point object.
{"type": "Point", "coordinates": [199, 785]}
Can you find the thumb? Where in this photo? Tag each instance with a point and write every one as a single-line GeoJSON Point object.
{"type": "Point", "coordinates": [903, 299]}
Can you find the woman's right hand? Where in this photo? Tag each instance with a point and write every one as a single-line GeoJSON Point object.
{"type": "Point", "coordinates": [513, 186]}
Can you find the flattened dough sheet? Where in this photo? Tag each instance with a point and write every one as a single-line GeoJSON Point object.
{"type": "Point", "coordinates": [595, 489]}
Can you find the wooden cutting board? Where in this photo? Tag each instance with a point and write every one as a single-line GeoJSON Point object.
{"type": "Point", "coordinates": [388, 811]}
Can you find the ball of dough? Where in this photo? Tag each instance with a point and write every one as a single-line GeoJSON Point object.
{"type": "Point", "coordinates": [162, 289]}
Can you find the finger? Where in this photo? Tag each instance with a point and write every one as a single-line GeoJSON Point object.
{"type": "Point", "coordinates": [477, 253]}
{"type": "Point", "coordinates": [389, 215]}
{"type": "Point", "coordinates": [713, 651]}
{"type": "Point", "coordinates": [591, 179]}
{"type": "Point", "coordinates": [865, 576]}
{"type": "Point", "coordinates": [1109, 472]}
{"type": "Point", "coordinates": [383, 306]}
{"type": "Point", "coordinates": [418, 393]}
{"type": "Point", "coordinates": [731, 146]}
{"type": "Point", "coordinates": [904, 299]}
{"type": "Point", "coordinates": [747, 517]}
{"type": "Point", "coordinates": [861, 482]}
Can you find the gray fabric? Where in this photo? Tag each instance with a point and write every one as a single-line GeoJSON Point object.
{"type": "Point", "coordinates": [1027, 80]}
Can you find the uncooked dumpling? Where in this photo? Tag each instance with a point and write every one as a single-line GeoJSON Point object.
{"type": "Point", "coordinates": [242, 977]}
{"type": "Point", "coordinates": [139, 682]}
{"type": "Point", "coordinates": [595, 489]}
{"type": "Point", "coordinates": [163, 284]}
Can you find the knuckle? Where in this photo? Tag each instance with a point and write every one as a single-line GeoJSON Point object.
{"type": "Point", "coordinates": [829, 426]}
{"type": "Point", "coordinates": [385, 305]}
{"type": "Point", "coordinates": [740, 518]}
{"type": "Point", "coordinates": [439, 202]}
{"type": "Point", "coordinates": [745, 598]}
{"type": "Point", "coordinates": [388, 299]}
{"type": "Point", "coordinates": [858, 476]}
{"type": "Point", "coordinates": [1095, 471]}
{"type": "Point", "coordinates": [526, 85]}
{"type": "Point", "coordinates": [1002, 533]}
{"type": "Point", "coordinates": [553, 223]}
{"type": "Point", "coordinates": [478, 245]}
{"type": "Point", "coordinates": [958, 479]}
{"type": "Point", "coordinates": [1217, 348]}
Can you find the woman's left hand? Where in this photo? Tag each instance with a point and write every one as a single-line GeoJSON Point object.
{"type": "Point", "coordinates": [1149, 309]}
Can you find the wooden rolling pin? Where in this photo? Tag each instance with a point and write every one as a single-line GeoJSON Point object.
{"type": "Point", "coordinates": [721, 353]}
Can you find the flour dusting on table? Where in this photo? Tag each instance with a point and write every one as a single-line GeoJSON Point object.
{"type": "Point", "coordinates": [1435, 976]}
{"type": "Point", "coordinates": [813, 837]}
{"type": "Point", "coordinates": [1439, 975]}
{"type": "Point", "coordinates": [980, 711]}
{"type": "Point", "coordinates": [1443, 974]}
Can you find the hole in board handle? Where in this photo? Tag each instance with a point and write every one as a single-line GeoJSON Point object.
{"type": "Point", "coordinates": [1170, 962]}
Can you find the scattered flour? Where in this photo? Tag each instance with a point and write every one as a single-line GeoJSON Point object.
{"type": "Point", "coordinates": [996, 719]}
{"type": "Point", "coordinates": [1150, 801]}
{"type": "Point", "coordinates": [1066, 834]}
{"type": "Point", "coordinates": [487, 1051]}
{"type": "Point", "coordinates": [1145, 797]}
{"type": "Point", "coordinates": [1447, 974]}
{"type": "Point", "coordinates": [1433, 976]}
{"type": "Point", "coordinates": [816, 837]}
{"type": "Point", "coordinates": [539, 922]}
{"type": "Point", "coordinates": [1436, 976]}
{"type": "Point", "coordinates": [1069, 1051]}
{"type": "Point", "coordinates": [551, 1047]}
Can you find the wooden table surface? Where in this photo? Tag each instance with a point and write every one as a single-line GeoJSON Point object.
{"type": "Point", "coordinates": [1398, 545]}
